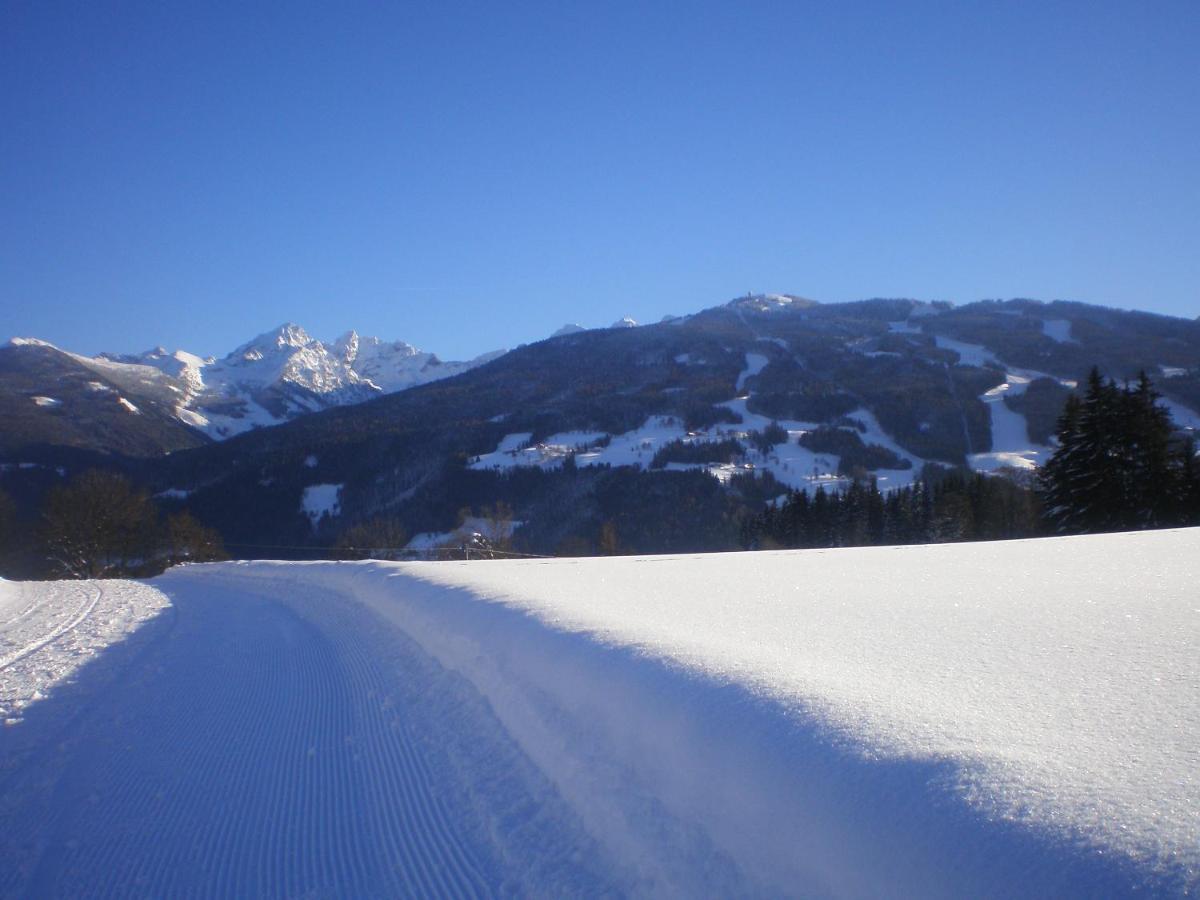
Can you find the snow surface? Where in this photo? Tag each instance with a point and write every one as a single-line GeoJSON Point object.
{"type": "Point", "coordinates": [1181, 415]}
{"type": "Point", "coordinates": [320, 500]}
{"type": "Point", "coordinates": [755, 363]}
{"type": "Point", "coordinates": [766, 303]}
{"type": "Point", "coordinates": [968, 354]}
{"type": "Point", "coordinates": [50, 402]}
{"type": "Point", "coordinates": [1011, 445]}
{"type": "Point", "coordinates": [48, 630]}
{"type": "Point", "coordinates": [1058, 330]}
{"type": "Point", "coordinates": [1032, 698]}
{"type": "Point", "coordinates": [1002, 719]}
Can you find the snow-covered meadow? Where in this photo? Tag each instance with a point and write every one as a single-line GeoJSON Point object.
{"type": "Point", "coordinates": [992, 719]}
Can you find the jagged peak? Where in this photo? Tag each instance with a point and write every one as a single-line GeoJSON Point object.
{"type": "Point", "coordinates": [624, 322]}
{"type": "Point", "coordinates": [288, 336]}
{"type": "Point", "coordinates": [346, 345]}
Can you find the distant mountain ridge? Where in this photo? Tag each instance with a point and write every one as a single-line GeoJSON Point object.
{"type": "Point", "coordinates": [665, 435]}
{"type": "Point", "coordinates": [270, 379]}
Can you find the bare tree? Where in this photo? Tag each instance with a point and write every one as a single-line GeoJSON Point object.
{"type": "Point", "coordinates": [98, 526]}
{"type": "Point", "coordinates": [380, 538]}
{"type": "Point", "coordinates": [189, 541]}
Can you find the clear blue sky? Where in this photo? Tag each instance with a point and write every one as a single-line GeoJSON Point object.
{"type": "Point", "coordinates": [469, 176]}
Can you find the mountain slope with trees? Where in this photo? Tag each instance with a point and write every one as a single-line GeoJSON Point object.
{"type": "Point", "coordinates": [767, 397]}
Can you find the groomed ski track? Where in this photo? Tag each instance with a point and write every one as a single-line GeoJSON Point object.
{"type": "Point", "coordinates": [254, 747]}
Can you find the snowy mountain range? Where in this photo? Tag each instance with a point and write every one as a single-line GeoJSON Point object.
{"type": "Point", "coordinates": [669, 431]}
{"type": "Point", "coordinates": [273, 378]}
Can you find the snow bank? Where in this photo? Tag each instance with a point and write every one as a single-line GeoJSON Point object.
{"type": "Point", "coordinates": [955, 720]}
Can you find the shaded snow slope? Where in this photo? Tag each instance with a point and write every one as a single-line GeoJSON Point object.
{"type": "Point", "coordinates": [1002, 719]}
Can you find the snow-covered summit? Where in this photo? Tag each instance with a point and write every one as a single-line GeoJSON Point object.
{"type": "Point", "coordinates": [624, 322]}
{"type": "Point", "coordinates": [396, 365]}
{"type": "Point", "coordinates": [771, 302]}
{"type": "Point", "coordinates": [285, 338]}
{"type": "Point", "coordinates": [275, 376]}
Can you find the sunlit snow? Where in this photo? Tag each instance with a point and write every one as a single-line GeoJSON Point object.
{"type": "Point", "coordinates": [319, 500]}
{"type": "Point", "coordinates": [1012, 719]}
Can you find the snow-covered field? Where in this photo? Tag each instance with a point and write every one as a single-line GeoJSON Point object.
{"type": "Point", "coordinates": [1001, 719]}
{"type": "Point", "coordinates": [48, 631]}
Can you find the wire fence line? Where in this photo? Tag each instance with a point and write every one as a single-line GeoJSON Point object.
{"type": "Point", "coordinates": [463, 551]}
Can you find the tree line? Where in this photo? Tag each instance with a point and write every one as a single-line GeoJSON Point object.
{"type": "Point", "coordinates": [944, 505]}
{"type": "Point", "coordinates": [1120, 465]}
{"type": "Point", "coordinates": [99, 525]}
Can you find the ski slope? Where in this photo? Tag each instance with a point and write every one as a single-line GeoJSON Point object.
{"type": "Point", "coordinates": [1000, 719]}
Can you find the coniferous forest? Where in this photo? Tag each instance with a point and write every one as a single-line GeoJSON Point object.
{"type": "Point", "coordinates": [1120, 465]}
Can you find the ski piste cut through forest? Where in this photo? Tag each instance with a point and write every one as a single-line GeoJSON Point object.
{"type": "Point", "coordinates": [1119, 466]}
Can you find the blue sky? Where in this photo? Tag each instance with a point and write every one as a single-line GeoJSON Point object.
{"type": "Point", "coordinates": [471, 176]}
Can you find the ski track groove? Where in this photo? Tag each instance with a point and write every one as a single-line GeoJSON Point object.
{"type": "Point", "coordinates": [284, 770]}
{"type": "Point", "coordinates": [34, 646]}
{"type": "Point", "coordinates": [39, 600]}
{"type": "Point", "coordinates": [401, 768]}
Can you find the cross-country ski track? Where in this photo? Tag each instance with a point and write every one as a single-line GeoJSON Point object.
{"type": "Point", "coordinates": [986, 720]}
{"type": "Point", "coordinates": [254, 751]}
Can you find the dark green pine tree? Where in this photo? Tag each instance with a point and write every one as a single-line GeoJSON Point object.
{"type": "Point", "coordinates": [1114, 469]}
{"type": "Point", "coordinates": [1103, 488]}
{"type": "Point", "coordinates": [1150, 477]}
{"type": "Point", "coordinates": [1187, 494]}
{"type": "Point", "coordinates": [1062, 480]}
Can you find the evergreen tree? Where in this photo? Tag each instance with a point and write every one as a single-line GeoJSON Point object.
{"type": "Point", "coordinates": [1114, 469]}
{"type": "Point", "coordinates": [8, 527]}
{"type": "Point", "coordinates": [1151, 494]}
{"type": "Point", "coordinates": [1187, 494]}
